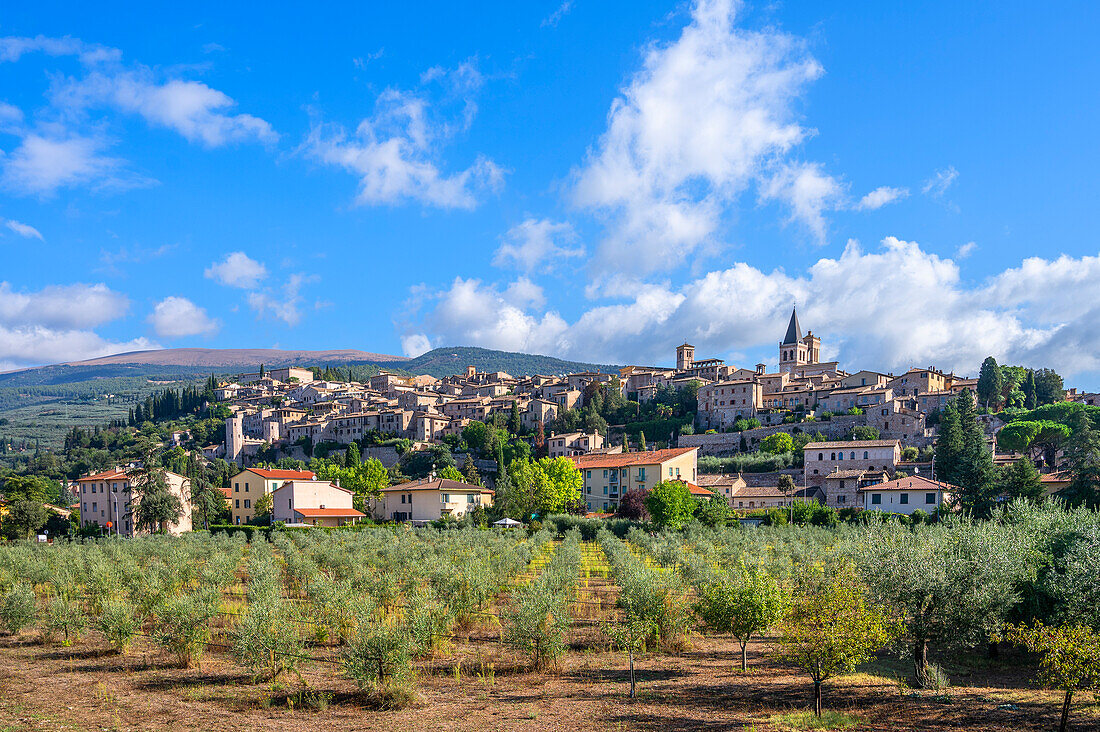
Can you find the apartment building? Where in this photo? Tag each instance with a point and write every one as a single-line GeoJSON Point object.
{"type": "Point", "coordinates": [429, 500]}
{"type": "Point", "coordinates": [314, 503]}
{"type": "Point", "coordinates": [608, 476]}
{"type": "Point", "coordinates": [906, 495]}
{"type": "Point", "coordinates": [823, 458]}
{"type": "Point", "coordinates": [249, 485]}
{"type": "Point", "coordinates": [108, 501]}
{"type": "Point", "coordinates": [723, 403]}
{"type": "Point", "coordinates": [573, 443]}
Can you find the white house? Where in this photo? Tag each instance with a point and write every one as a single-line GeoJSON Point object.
{"type": "Point", "coordinates": [315, 502]}
{"type": "Point", "coordinates": [906, 495]}
{"type": "Point", "coordinates": [429, 500]}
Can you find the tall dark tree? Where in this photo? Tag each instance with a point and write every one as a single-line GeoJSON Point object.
{"type": "Point", "coordinates": [1031, 399]}
{"type": "Point", "coordinates": [1082, 461]}
{"type": "Point", "coordinates": [263, 371]}
{"type": "Point", "coordinates": [352, 458]}
{"type": "Point", "coordinates": [540, 440]}
{"type": "Point", "coordinates": [1049, 387]}
{"type": "Point", "coordinates": [470, 472]}
{"type": "Point", "coordinates": [153, 507]}
{"type": "Point", "coordinates": [990, 381]}
{"type": "Point", "coordinates": [949, 444]}
{"type": "Point", "coordinates": [514, 423]}
{"type": "Point", "coordinates": [1021, 480]}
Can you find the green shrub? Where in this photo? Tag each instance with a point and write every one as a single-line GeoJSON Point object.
{"type": "Point", "coordinates": [183, 626]}
{"type": "Point", "coordinates": [17, 609]}
{"type": "Point", "coordinates": [66, 618]}
{"type": "Point", "coordinates": [119, 623]}
{"type": "Point", "coordinates": [267, 640]}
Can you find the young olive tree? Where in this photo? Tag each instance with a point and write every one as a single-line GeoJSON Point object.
{"type": "Point", "coordinates": [630, 636]}
{"type": "Point", "coordinates": [743, 603]}
{"type": "Point", "coordinates": [1070, 657]}
{"type": "Point", "coordinates": [832, 627]}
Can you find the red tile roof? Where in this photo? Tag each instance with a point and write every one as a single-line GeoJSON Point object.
{"type": "Point", "coordinates": [912, 483]}
{"type": "Point", "coordinates": [284, 474]}
{"type": "Point", "coordinates": [439, 484]}
{"type": "Point", "coordinates": [626, 459]}
{"type": "Point", "coordinates": [328, 512]}
{"type": "Point", "coordinates": [114, 474]}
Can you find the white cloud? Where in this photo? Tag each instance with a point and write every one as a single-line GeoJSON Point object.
{"type": "Point", "coordinates": [965, 250]}
{"type": "Point", "coordinates": [191, 108]}
{"type": "Point", "coordinates": [12, 48]}
{"type": "Point", "coordinates": [177, 317]}
{"type": "Point", "coordinates": [11, 118]}
{"type": "Point", "coordinates": [34, 345]}
{"type": "Point", "coordinates": [537, 244]}
{"type": "Point", "coordinates": [880, 197]}
{"type": "Point", "coordinates": [238, 270]}
{"type": "Point", "coordinates": [61, 306]}
{"type": "Point", "coordinates": [555, 17]}
{"type": "Point", "coordinates": [415, 344]}
{"type": "Point", "coordinates": [938, 184]}
{"type": "Point", "coordinates": [285, 304]}
{"type": "Point", "coordinates": [809, 191]}
{"type": "Point", "coordinates": [42, 164]}
{"type": "Point", "coordinates": [891, 308]}
{"type": "Point", "coordinates": [703, 119]}
{"type": "Point", "coordinates": [395, 152]}
{"type": "Point", "coordinates": [24, 230]}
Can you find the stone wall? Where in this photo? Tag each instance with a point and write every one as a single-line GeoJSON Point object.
{"type": "Point", "coordinates": [724, 444]}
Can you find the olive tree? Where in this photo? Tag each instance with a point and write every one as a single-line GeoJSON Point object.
{"type": "Point", "coordinates": [833, 626]}
{"type": "Point", "coordinates": [744, 603]}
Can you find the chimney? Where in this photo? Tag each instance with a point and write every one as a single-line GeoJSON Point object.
{"type": "Point", "coordinates": [337, 482]}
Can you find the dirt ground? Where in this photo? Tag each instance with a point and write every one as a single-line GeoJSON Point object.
{"type": "Point", "coordinates": [83, 687]}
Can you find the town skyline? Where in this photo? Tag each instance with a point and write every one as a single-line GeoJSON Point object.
{"type": "Point", "coordinates": [203, 185]}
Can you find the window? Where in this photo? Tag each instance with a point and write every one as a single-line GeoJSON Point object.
{"type": "Point", "coordinates": [865, 455]}
{"type": "Point", "coordinates": [445, 497]}
{"type": "Point", "coordinates": [876, 498]}
{"type": "Point", "coordinates": [852, 456]}
{"type": "Point", "coordinates": [247, 503]}
{"type": "Point", "coordinates": [840, 456]}
{"type": "Point", "coordinates": [832, 456]}
{"type": "Point", "coordinates": [237, 504]}
{"type": "Point", "coordinates": [842, 499]}
{"type": "Point", "coordinates": [94, 509]}
{"type": "Point", "coordinates": [904, 499]}
{"type": "Point", "coordinates": [929, 498]}
{"type": "Point", "coordinates": [605, 490]}
{"type": "Point", "coordinates": [471, 498]}
{"type": "Point", "coordinates": [402, 497]}
{"type": "Point", "coordinates": [820, 456]}
{"type": "Point", "coordinates": [236, 487]}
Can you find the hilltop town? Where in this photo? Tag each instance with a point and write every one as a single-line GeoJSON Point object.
{"type": "Point", "coordinates": [831, 434]}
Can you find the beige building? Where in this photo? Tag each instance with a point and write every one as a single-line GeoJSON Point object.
{"type": "Point", "coordinates": [842, 487]}
{"type": "Point", "coordinates": [573, 443]}
{"type": "Point", "coordinates": [906, 495]}
{"type": "Point", "coordinates": [607, 477]}
{"type": "Point", "coordinates": [822, 458]}
{"type": "Point", "coordinates": [106, 500]}
{"type": "Point", "coordinates": [723, 403]}
{"type": "Point", "coordinates": [429, 500]}
{"type": "Point", "coordinates": [919, 381]}
{"type": "Point", "coordinates": [313, 502]}
{"type": "Point", "coordinates": [248, 485]}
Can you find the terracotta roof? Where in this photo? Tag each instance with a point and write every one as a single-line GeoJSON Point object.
{"type": "Point", "coordinates": [759, 491]}
{"type": "Point", "coordinates": [439, 484]}
{"type": "Point", "coordinates": [626, 459]}
{"type": "Point", "coordinates": [912, 483]}
{"type": "Point", "coordinates": [853, 443]}
{"type": "Point", "coordinates": [227, 492]}
{"type": "Point", "coordinates": [851, 473]}
{"type": "Point", "coordinates": [115, 474]}
{"type": "Point", "coordinates": [1059, 477]}
{"type": "Point", "coordinates": [329, 512]}
{"type": "Point", "coordinates": [284, 474]}
{"type": "Point", "coordinates": [696, 490]}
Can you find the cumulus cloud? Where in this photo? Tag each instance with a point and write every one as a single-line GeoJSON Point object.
{"type": "Point", "coordinates": [237, 270]}
{"type": "Point", "coordinates": [892, 307]}
{"type": "Point", "coordinates": [53, 324]}
{"type": "Point", "coordinates": [34, 345]}
{"type": "Point", "coordinates": [880, 197]}
{"type": "Point", "coordinates": [177, 317]}
{"type": "Point", "coordinates": [415, 344]}
{"type": "Point", "coordinates": [24, 230]}
{"type": "Point", "coordinates": [704, 118]}
{"type": "Point", "coordinates": [965, 250]}
{"type": "Point", "coordinates": [537, 244]}
{"type": "Point", "coordinates": [938, 184]}
{"type": "Point", "coordinates": [61, 306]}
{"type": "Point", "coordinates": [395, 152]}
{"type": "Point", "coordinates": [12, 48]}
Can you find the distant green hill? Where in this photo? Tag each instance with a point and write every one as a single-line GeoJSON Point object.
{"type": "Point", "coordinates": [441, 362]}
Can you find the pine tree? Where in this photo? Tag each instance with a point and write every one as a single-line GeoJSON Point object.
{"type": "Point", "coordinates": [469, 471]}
{"type": "Point", "coordinates": [514, 423]}
{"type": "Point", "coordinates": [949, 444]}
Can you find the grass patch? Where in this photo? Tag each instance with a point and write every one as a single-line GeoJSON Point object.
{"type": "Point", "coordinates": [808, 720]}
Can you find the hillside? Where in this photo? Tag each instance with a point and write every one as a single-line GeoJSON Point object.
{"type": "Point", "coordinates": [441, 362]}
{"type": "Point", "coordinates": [231, 358]}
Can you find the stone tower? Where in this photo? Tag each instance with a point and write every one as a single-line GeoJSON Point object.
{"type": "Point", "coordinates": [685, 357]}
{"type": "Point", "coordinates": [234, 438]}
{"type": "Point", "coordinates": [796, 350]}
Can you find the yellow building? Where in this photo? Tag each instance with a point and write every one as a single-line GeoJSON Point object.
{"type": "Point", "coordinates": [248, 485]}
{"type": "Point", "coordinates": [608, 477]}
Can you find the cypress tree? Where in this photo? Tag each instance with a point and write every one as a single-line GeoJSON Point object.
{"type": "Point", "coordinates": [990, 382]}
{"type": "Point", "coordinates": [1031, 398]}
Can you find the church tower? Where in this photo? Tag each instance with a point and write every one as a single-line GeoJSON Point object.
{"type": "Point", "coordinates": [796, 350]}
{"type": "Point", "coordinates": [685, 357]}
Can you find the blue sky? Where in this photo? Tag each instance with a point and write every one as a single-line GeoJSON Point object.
{"type": "Point", "coordinates": [596, 180]}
